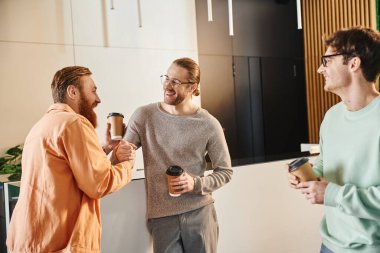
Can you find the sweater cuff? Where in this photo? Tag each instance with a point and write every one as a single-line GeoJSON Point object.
{"type": "Point", "coordinates": [331, 194]}
{"type": "Point", "coordinates": [197, 185]}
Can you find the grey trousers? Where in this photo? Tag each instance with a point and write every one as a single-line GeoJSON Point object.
{"type": "Point", "coordinates": [192, 232]}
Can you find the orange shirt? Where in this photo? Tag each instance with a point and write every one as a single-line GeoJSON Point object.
{"type": "Point", "coordinates": [64, 173]}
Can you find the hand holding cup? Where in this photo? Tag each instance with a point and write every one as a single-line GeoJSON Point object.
{"type": "Point", "coordinates": [114, 132]}
{"type": "Point", "coordinates": [184, 183]}
{"type": "Point", "coordinates": [301, 170]}
{"type": "Point", "coordinates": [178, 181]}
{"type": "Point", "coordinates": [292, 179]}
{"type": "Point", "coordinates": [111, 144]}
{"type": "Point", "coordinates": [117, 126]}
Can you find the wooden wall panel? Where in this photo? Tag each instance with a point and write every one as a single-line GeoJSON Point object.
{"type": "Point", "coordinates": [323, 17]}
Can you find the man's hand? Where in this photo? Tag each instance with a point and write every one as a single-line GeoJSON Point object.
{"type": "Point", "coordinates": [183, 183]}
{"type": "Point", "coordinates": [125, 151]}
{"type": "Point", "coordinates": [292, 179]}
{"type": "Point", "coordinates": [314, 190]}
{"type": "Point", "coordinates": [111, 144]}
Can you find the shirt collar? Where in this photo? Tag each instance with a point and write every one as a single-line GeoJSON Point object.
{"type": "Point", "coordinates": [61, 107]}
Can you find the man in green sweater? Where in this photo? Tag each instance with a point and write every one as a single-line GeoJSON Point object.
{"type": "Point", "coordinates": [178, 132]}
{"type": "Point", "coordinates": [349, 162]}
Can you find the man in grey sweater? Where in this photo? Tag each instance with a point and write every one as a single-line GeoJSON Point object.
{"type": "Point", "coordinates": [179, 132]}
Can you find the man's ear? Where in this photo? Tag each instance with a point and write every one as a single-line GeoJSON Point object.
{"type": "Point", "coordinates": [72, 92]}
{"type": "Point", "coordinates": [193, 87]}
{"type": "Point", "coordinates": [355, 63]}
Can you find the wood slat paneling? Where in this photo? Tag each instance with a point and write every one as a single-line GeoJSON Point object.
{"type": "Point", "coordinates": [323, 17]}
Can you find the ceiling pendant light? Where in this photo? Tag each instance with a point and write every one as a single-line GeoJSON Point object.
{"type": "Point", "coordinates": [299, 15]}
{"type": "Point", "coordinates": [139, 13]}
{"type": "Point", "coordinates": [209, 10]}
{"type": "Point", "coordinates": [230, 18]}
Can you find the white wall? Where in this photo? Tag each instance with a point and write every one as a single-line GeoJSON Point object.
{"type": "Point", "coordinates": [38, 37]}
{"type": "Point", "coordinates": [257, 212]}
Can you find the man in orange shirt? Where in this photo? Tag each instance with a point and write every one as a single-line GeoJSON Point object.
{"type": "Point", "coordinates": [66, 172]}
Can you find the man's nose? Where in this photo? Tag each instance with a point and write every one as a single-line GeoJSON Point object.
{"type": "Point", "coordinates": [97, 99]}
{"type": "Point", "coordinates": [320, 69]}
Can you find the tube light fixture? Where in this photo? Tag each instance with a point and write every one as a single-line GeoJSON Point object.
{"type": "Point", "coordinates": [139, 13]}
{"type": "Point", "coordinates": [209, 10]}
{"type": "Point", "coordinates": [299, 15]}
{"type": "Point", "coordinates": [230, 18]}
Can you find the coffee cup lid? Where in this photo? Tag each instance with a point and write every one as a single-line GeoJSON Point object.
{"type": "Point", "coordinates": [174, 170]}
{"type": "Point", "coordinates": [115, 114]}
{"type": "Point", "coordinates": [298, 162]}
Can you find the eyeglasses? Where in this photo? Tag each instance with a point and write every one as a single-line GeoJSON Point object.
{"type": "Point", "coordinates": [165, 79]}
{"type": "Point", "coordinates": [323, 58]}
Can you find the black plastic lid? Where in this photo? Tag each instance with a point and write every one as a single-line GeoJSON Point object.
{"type": "Point", "coordinates": [298, 162]}
{"type": "Point", "coordinates": [115, 114]}
{"type": "Point", "coordinates": [174, 170]}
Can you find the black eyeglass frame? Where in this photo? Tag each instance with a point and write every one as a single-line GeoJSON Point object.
{"type": "Point", "coordinates": [323, 58]}
{"type": "Point", "coordinates": [173, 82]}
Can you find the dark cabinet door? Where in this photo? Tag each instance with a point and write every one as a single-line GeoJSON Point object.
{"type": "Point", "coordinates": [248, 103]}
{"type": "Point", "coordinates": [284, 110]}
{"type": "Point", "coordinates": [270, 106]}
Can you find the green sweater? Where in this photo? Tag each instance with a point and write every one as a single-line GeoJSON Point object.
{"type": "Point", "coordinates": [167, 140]}
{"type": "Point", "coordinates": [350, 161]}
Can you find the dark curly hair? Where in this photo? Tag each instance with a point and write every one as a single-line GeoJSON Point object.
{"type": "Point", "coordinates": [358, 42]}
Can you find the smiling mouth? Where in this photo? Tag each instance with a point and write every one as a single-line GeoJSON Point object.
{"type": "Point", "coordinates": [170, 93]}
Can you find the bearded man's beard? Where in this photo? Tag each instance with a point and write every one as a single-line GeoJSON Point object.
{"type": "Point", "coordinates": [179, 99]}
{"type": "Point", "coordinates": [86, 109]}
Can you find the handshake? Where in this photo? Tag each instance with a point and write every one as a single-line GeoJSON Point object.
{"type": "Point", "coordinates": [122, 150]}
{"type": "Point", "coordinates": [125, 151]}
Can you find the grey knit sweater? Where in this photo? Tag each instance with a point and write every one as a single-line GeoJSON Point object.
{"type": "Point", "coordinates": [167, 140]}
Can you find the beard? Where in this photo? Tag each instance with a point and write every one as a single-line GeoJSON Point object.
{"type": "Point", "coordinates": [176, 101]}
{"type": "Point", "coordinates": [86, 109]}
